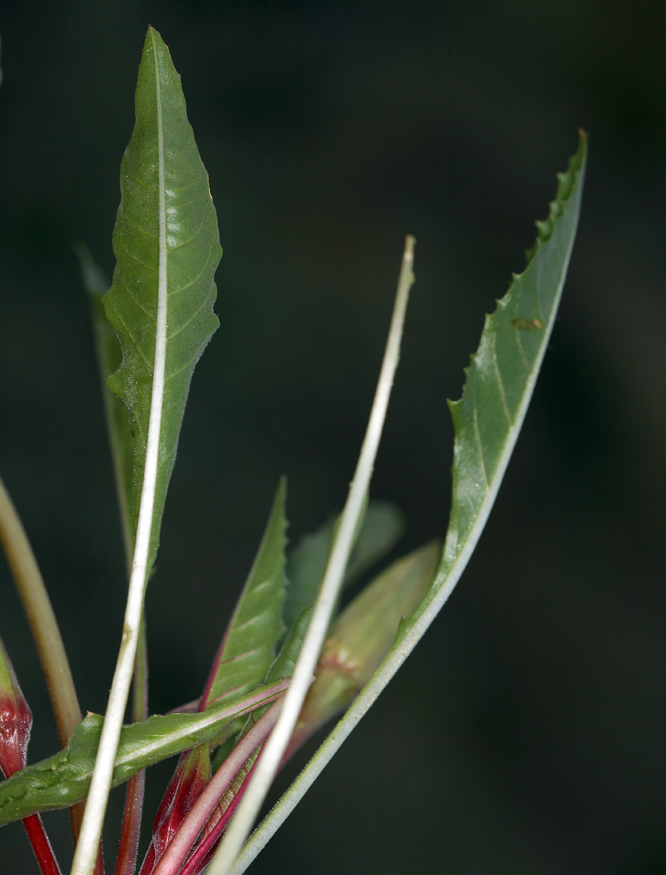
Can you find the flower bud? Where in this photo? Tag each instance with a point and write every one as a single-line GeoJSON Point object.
{"type": "Point", "coordinates": [15, 719]}
{"type": "Point", "coordinates": [362, 636]}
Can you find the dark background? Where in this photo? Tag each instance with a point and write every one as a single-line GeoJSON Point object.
{"type": "Point", "coordinates": [526, 733]}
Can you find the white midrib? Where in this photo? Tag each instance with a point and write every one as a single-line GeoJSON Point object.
{"type": "Point", "coordinates": [91, 826]}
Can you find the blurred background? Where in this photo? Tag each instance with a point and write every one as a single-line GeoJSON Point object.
{"type": "Point", "coordinates": [527, 732]}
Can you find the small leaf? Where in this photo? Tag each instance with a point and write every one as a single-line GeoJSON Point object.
{"type": "Point", "coordinates": [64, 779]}
{"type": "Point", "coordinates": [248, 648]}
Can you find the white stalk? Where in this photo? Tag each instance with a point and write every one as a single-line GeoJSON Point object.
{"type": "Point", "coordinates": [91, 826]}
{"type": "Point", "coordinates": [265, 771]}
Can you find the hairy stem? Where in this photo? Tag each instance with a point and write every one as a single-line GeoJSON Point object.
{"type": "Point", "coordinates": [184, 839]}
{"type": "Point", "coordinates": [41, 845]}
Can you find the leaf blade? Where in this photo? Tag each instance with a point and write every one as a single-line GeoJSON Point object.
{"type": "Point", "coordinates": [167, 248]}
{"type": "Point", "coordinates": [553, 247]}
{"type": "Point", "coordinates": [64, 779]}
{"type": "Point", "coordinates": [248, 648]}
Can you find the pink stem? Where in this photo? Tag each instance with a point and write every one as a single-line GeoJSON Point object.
{"type": "Point", "coordinates": [184, 839]}
{"type": "Point", "coordinates": [206, 846]}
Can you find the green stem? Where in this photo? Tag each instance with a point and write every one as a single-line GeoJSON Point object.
{"type": "Point", "coordinates": [44, 628]}
{"type": "Point", "coordinates": [43, 624]}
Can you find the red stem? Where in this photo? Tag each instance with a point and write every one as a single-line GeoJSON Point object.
{"type": "Point", "coordinates": [206, 847]}
{"type": "Point", "coordinates": [41, 845]}
{"type": "Point", "coordinates": [129, 835]}
{"type": "Point", "coordinates": [187, 833]}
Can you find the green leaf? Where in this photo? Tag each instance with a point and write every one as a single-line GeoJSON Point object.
{"type": "Point", "coordinates": [500, 382]}
{"type": "Point", "coordinates": [329, 592]}
{"type": "Point", "coordinates": [161, 306]}
{"type": "Point", "coordinates": [64, 779]}
{"type": "Point", "coordinates": [305, 568]}
{"type": "Point", "coordinates": [487, 421]}
{"type": "Point", "coordinates": [109, 358]}
{"type": "Point", "coordinates": [383, 524]}
{"type": "Point", "coordinates": [167, 248]}
{"type": "Point", "coordinates": [282, 668]}
{"type": "Point", "coordinates": [382, 528]}
{"type": "Point", "coordinates": [248, 648]}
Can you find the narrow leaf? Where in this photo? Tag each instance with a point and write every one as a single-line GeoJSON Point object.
{"type": "Point", "coordinates": [248, 648]}
{"type": "Point", "coordinates": [487, 421]}
{"type": "Point", "coordinates": [64, 779]}
{"type": "Point", "coordinates": [167, 248]}
{"type": "Point", "coordinates": [109, 358]}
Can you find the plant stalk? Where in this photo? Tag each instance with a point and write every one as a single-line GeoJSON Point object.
{"type": "Point", "coordinates": [184, 839]}
{"type": "Point", "coordinates": [265, 771]}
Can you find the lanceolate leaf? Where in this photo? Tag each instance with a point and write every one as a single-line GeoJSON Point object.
{"type": "Point", "coordinates": [167, 248]}
{"type": "Point", "coordinates": [248, 648]}
{"type": "Point", "coordinates": [64, 779]}
{"type": "Point", "coordinates": [487, 420]}
{"type": "Point", "coordinates": [346, 535]}
{"type": "Point", "coordinates": [499, 386]}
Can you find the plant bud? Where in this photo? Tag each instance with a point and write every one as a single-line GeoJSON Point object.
{"type": "Point", "coordinates": [15, 719]}
{"type": "Point", "coordinates": [362, 636]}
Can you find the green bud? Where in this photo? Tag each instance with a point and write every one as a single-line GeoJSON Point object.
{"type": "Point", "coordinates": [362, 636]}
